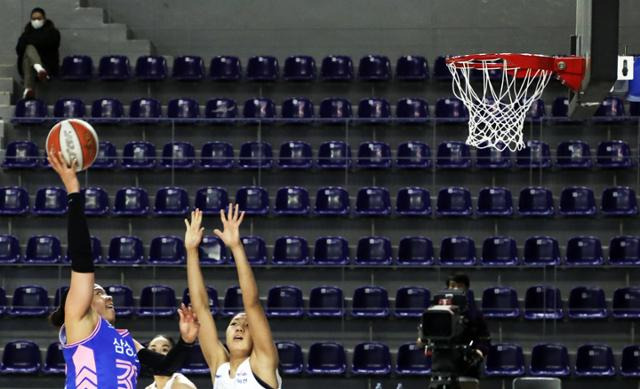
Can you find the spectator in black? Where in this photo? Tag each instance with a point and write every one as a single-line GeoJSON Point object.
{"type": "Point", "coordinates": [37, 51]}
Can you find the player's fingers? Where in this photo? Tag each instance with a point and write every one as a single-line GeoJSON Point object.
{"type": "Point", "coordinates": [241, 217]}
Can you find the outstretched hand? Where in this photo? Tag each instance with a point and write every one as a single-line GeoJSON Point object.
{"type": "Point", "coordinates": [189, 325]}
{"type": "Point", "coordinates": [194, 231]}
{"type": "Point", "coordinates": [67, 173]}
{"type": "Point", "coordinates": [230, 234]}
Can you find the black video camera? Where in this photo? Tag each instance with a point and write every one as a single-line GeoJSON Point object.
{"type": "Point", "coordinates": [444, 319]}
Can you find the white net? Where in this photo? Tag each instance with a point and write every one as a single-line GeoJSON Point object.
{"type": "Point", "coordinates": [497, 114]}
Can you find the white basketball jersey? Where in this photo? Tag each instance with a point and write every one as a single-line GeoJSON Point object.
{"type": "Point", "coordinates": [244, 378]}
{"type": "Point", "coordinates": [169, 383]}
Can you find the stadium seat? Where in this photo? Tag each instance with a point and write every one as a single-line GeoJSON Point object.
{"type": "Point", "coordinates": [195, 363]}
{"type": "Point", "coordinates": [292, 200]}
{"type": "Point", "coordinates": [326, 301]}
{"type": "Point", "coordinates": [232, 304]}
{"type": "Point", "coordinates": [335, 108]}
{"type": "Point", "coordinates": [326, 358]}
{"type": "Point", "coordinates": [285, 301]}
{"type": "Point", "coordinates": [14, 200]}
{"type": "Point", "coordinates": [151, 68]}
{"type": "Point", "coordinates": [573, 154]}
{"type": "Point", "coordinates": [54, 362]}
{"type": "Point", "coordinates": [183, 109]}
{"type": "Point", "coordinates": [543, 303]}
{"type": "Point", "coordinates": [331, 250]}
{"type": "Point", "coordinates": [171, 201]}
{"type": "Point", "coordinates": [412, 110]}
{"type": "Point", "coordinates": [499, 251]}
{"type": "Point", "coordinates": [50, 201]}
{"type": "Point", "coordinates": [60, 292]}
{"type": "Point", "coordinates": [334, 155]}
{"type": "Point", "coordinates": [68, 108]}
{"type": "Point", "coordinates": [3, 301]}
{"type": "Point", "coordinates": [412, 361]}
{"type": "Point", "coordinates": [290, 361]}
{"type": "Point", "coordinates": [30, 112]}
{"type": "Point", "coordinates": [259, 108]}
{"type": "Point", "coordinates": [584, 250]}
{"type": "Point", "coordinates": [188, 68]}
{"type": "Point", "coordinates": [454, 201]}
{"type": "Point", "coordinates": [614, 154]}
{"type": "Point", "coordinates": [541, 250]}
{"type": "Point", "coordinates": [411, 301]}
{"type": "Point", "coordinates": [114, 68]}
{"type": "Point", "coordinates": [412, 68]}
{"type": "Point", "coordinates": [336, 68]}
{"type": "Point", "coordinates": [415, 251]}
{"type": "Point", "coordinates": [624, 250]}
{"type": "Point", "coordinates": [225, 68]}
{"type": "Point", "coordinates": [630, 362]}
{"type": "Point", "coordinates": [374, 155]}
{"type": "Point", "coordinates": [504, 360]}
{"type": "Point", "coordinates": [577, 201]}
{"type": "Point", "coordinates": [253, 200]}
{"type": "Point", "coordinates": [451, 109]}
{"type": "Point", "coordinates": [166, 250]}
{"type": "Point", "coordinates": [29, 300]}
{"type": "Point", "coordinates": [107, 157]}
{"type": "Point", "coordinates": [495, 201]}
{"type": "Point", "coordinates": [491, 158]}
{"type": "Point", "coordinates": [221, 108]}
{"type": "Point", "coordinates": [373, 201]}
{"type": "Point", "coordinates": [536, 112]}
{"type": "Point", "coordinates": [255, 248]}
{"type": "Point", "coordinates": [371, 359]}
{"type": "Point", "coordinates": [413, 201]}
{"type": "Point", "coordinates": [611, 110]}
{"type": "Point", "coordinates": [131, 201]}
{"type": "Point", "coordinates": [106, 111]}
{"type": "Point", "coordinates": [145, 111]}
{"type": "Point", "coordinates": [453, 155]}
{"type": "Point", "coordinates": [295, 155]}
{"type": "Point", "coordinates": [255, 155]}
{"type": "Point", "coordinates": [595, 360]}
{"type": "Point", "coordinates": [299, 68]}
{"type": "Point", "coordinates": [178, 155]}
{"type": "Point", "coordinates": [374, 110]}
{"type": "Point", "coordinates": [374, 68]}
{"type": "Point", "coordinates": [9, 249]}
{"type": "Point", "coordinates": [619, 201]}
{"type": "Point", "coordinates": [457, 250]}
{"type": "Point", "coordinates": [76, 68]}
{"type": "Point", "coordinates": [216, 155]}
{"type": "Point", "coordinates": [560, 108]}
{"type": "Point", "coordinates": [139, 155]}
{"type": "Point", "coordinates": [262, 68]}
{"type": "Point", "coordinates": [549, 360]}
{"type": "Point", "coordinates": [123, 301]}
{"type": "Point", "coordinates": [125, 250]}
{"type": "Point", "coordinates": [210, 200]}
{"type": "Point", "coordinates": [212, 295]}
{"type": "Point", "coordinates": [370, 302]}
{"type": "Point", "coordinates": [212, 251]}
{"type": "Point", "coordinates": [626, 303]}
{"type": "Point", "coordinates": [157, 300]}
{"type": "Point", "coordinates": [440, 70]}
{"type": "Point", "coordinates": [290, 250]}
{"type": "Point", "coordinates": [536, 155]}
{"type": "Point", "coordinates": [587, 303]}
{"type": "Point", "coordinates": [21, 357]}
{"type": "Point", "coordinates": [535, 201]}
{"type": "Point", "coordinates": [43, 249]}
{"type": "Point", "coordinates": [500, 303]}
{"type": "Point", "coordinates": [21, 154]}
{"type": "Point", "coordinates": [297, 108]}
{"type": "Point", "coordinates": [333, 201]}
{"type": "Point", "coordinates": [634, 108]}
{"type": "Point", "coordinates": [373, 250]}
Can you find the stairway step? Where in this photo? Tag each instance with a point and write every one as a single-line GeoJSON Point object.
{"type": "Point", "coordinates": [8, 70]}
{"type": "Point", "coordinates": [5, 98]}
{"type": "Point", "coordinates": [6, 84]}
{"type": "Point", "coordinates": [85, 17]}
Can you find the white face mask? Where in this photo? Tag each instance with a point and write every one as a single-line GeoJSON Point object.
{"type": "Point", "coordinates": [37, 23]}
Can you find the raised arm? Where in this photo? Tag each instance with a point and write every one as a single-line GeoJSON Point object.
{"type": "Point", "coordinates": [265, 354]}
{"type": "Point", "coordinates": [212, 349]}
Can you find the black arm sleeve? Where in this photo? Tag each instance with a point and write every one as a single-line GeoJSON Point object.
{"type": "Point", "coordinates": [165, 364]}
{"type": "Point", "coordinates": [78, 237]}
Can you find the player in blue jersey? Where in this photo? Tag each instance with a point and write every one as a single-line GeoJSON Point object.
{"type": "Point", "coordinates": [98, 355]}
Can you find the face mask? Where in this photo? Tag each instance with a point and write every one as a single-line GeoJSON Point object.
{"type": "Point", "coordinates": [37, 23]}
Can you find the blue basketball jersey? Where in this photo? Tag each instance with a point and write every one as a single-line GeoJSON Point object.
{"type": "Point", "coordinates": [106, 359]}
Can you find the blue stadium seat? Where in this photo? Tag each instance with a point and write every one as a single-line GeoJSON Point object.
{"type": "Point", "coordinates": [574, 154]}
{"type": "Point", "coordinates": [415, 251]}
{"type": "Point", "coordinates": [411, 301]}
{"type": "Point", "coordinates": [543, 303]}
{"type": "Point", "coordinates": [292, 200]}
{"type": "Point", "coordinates": [630, 361]}
{"type": "Point", "coordinates": [541, 251]}
{"type": "Point", "coordinates": [610, 110]}
{"type": "Point", "coordinates": [290, 361]}
{"type": "Point", "coordinates": [221, 108]}
{"type": "Point", "coordinates": [326, 358]}
{"type": "Point", "coordinates": [374, 250]}
{"type": "Point", "coordinates": [3, 302]}
{"type": "Point", "coordinates": [491, 158]}
{"type": "Point", "coordinates": [413, 201]}
{"type": "Point", "coordinates": [285, 301]}
{"type": "Point", "coordinates": [297, 108]}
{"type": "Point", "coordinates": [31, 111]}
{"type": "Point", "coordinates": [171, 201]}
{"type": "Point", "coordinates": [333, 201]}
{"type": "Point", "coordinates": [371, 359]}
{"type": "Point", "coordinates": [253, 200]}
{"type": "Point", "coordinates": [495, 201]}
{"type": "Point", "coordinates": [96, 201]}
{"type": "Point", "coordinates": [560, 107]}
{"type": "Point", "coordinates": [537, 111]}
{"type": "Point", "coordinates": [225, 68]}
{"type": "Point", "coordinates": [106, 111]}
{"type": "Point", "coordinates": [584, 250]}
{"type": "Point", "coordinates": [60, 292]}
{"type": "Point", "coordinates": [619, 201]}
{"type": "Point", "coordinates": [614, 154]}
{"type": "Point", "coordinates": [453, 155]}
{"type": "Point", "coordinates": [335, 108]}
{"type": "Point", "coordinates": [255, 248]}
{"type": "Point", "coordinates": [68, 108]}
{"type": "Point", "coordinates": [50, 200]}
{"type": "Point", "coordinates": [76, 68]}
{"type": "Point", "coordinates": [373, 201]}
{"type": "Point", "coordinates": [500, 302]}
{"type": "Point", "coordinates": [54, 362]}
{"type": "Point", "coordinates": [188, 68]}
{"type": "Point", "coordinates": [295, 155]}
{"type": "Point", "coordinates": [412, 109]}
{"type": "Point", "coordinates": [183, 109]}
{"type": "Point", "coordinates": [157, 300]}
{"type": "Point", "coordinates": [326, 301]}
{"type": "Point", "coordinates": [9, 249]}
{"type": "Point", "coordinates": [114, 68]}
{"type": "Point", "coordinates": [374, 155]}
{"type": "Point", "coordinates": [499, 251]}
{"type": "Point", "coordinates": [216, 155]}
{"type": "Point", "coordinates": [178, 155]}
{"type": "Point", "coordinates": [107, 157]}
{"type": "Point", "coordinates": [21, 357]}
{"type": "Point", "coordinates": [440, 70]}
{"type": "Point", "coordinates": [337, 68]}
{"type": "Point", "coordinates": [412, 361]}
{"type": "Point", "coordinates": [212, 251]}
{"type": "Point", "coordinates": [210, 200]}
{"type": "Point", "coordinates": [536, 155]}
{"type": "Point", "coordinates": [331, 250]}
{"type": "Point", "coordinates": [290, 250]}
{"type": "Point", "coordinates": [412, 68]}
{"type": "Point", "coordinates": [549, 360]}
{"type": "Point", "coordinates": [624, 250]}
{"type": "Point", "coordinates": [255, 155]}
{"type": "Point", "coordinates": [262, 68]}
{"type": "Point", "coordinates": [29, 300]}
{"type": "Point", "coordinates": [504, 360]}
{"type": "Point", "coordinates": [626, 303]}
{"type": "Point", "coordinates": [587, 303]}
{"type": "Point", "coordinates": [139, 155]}
{"type": "Point", "coordinates": [535, 201]}
{"type": "Point", "coordinates": [166, 250]}
{"type": "Point", "coordinates": [212, 295]}
{"type": "Point", "coordinates": [374, 110]}
{"type": "Point", "coordinates": [232, 303]}
{"type": "Point", "coordinates": [452, 109]}
{"type": "Point", "coordinates": [21, 154]}
{"type": "Point", "coordinates": [145, 111]}
{"type": "Point", "coordinates": [334, 154]}
{"type": "Point", "coordinates": [123, 301]}
{"type": "Point", "coordinates": [195, 363]}
{"type": "Point", "coordinates": [131, 201]}
{"type": "Point", "coordinates": [151, 68]}
{"type": "Point", "coordinates": [14, 200]}
{"type": "Point", "coordinates": [370, 302]}
{"type": "Point", "coordinates": [595, 360]}
{"type": "Point", "coordinates": [454, 201]}
{"type": "Point", "coordinates": [457, 250]}
{"type": "Point", "coordinates": [259, 108]}
{"type": "Point", "coordinates": [577, 201]}
{"type": "Point", "coordinates": [299, 68]}
{"type": "Point", "coordinates": [126, 250]}
{"type": "Point", "coordinates": [43, 249]}
{"type": "Point", "coordinates": [374, 68]}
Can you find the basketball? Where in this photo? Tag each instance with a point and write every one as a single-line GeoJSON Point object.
{"type": "Point", "coordinates": [76, 139]}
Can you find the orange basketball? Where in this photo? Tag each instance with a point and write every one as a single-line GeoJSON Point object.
{"type": "Point", "coordinates": [76, 139]}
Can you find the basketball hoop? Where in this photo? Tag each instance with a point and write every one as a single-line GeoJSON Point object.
{"type": "Point", "coordinates": [497, 114]}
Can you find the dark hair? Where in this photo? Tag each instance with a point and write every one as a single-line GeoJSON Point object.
{"type": "Point", "coordinates": [57, 317]}
{"type": "Point", "coordinates": [38, 9]}
{"type": "Point", "coordinates": [459, 278]}
{"type": "Point", "coordinates": [168, 338]}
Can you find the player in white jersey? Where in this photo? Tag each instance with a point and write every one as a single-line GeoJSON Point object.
{"type": "Point", "coordinates": [250, 359]}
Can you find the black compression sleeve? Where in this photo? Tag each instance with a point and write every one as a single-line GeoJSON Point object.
{"type": "Point", "coordinates": [165, 364]}
{"type": "Point", "coordinates": [78, 237]}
